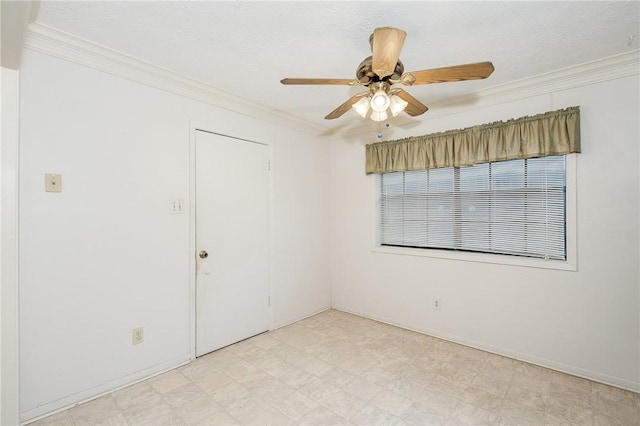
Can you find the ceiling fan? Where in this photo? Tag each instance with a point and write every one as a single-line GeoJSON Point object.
{"type": "Point", "coordinates": [380, 71]}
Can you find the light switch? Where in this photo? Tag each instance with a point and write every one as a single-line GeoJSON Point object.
{"type": "Point", "coordinates": [53, 182]}
{"type": "Point", "coordinates": [176, 206]}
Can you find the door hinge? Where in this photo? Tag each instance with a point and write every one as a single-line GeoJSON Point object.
{"type": "Point", "coordinates": [269, 165]}
{"type": "Point", "coordinates": [269, 301]}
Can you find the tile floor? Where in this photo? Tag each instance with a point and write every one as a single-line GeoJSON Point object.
{"type": "Point", "coordinates": [337, 368]}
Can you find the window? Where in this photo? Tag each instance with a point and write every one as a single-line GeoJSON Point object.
{"type": "Point", "coordinates": [514, 207]}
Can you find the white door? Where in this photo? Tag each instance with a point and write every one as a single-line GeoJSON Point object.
{"type": "Point", "coordinates": [232, 240]}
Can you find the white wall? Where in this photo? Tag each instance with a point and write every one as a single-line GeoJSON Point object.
{"type": "Point", "coordinates": [104, 256]}
{"type": "Point", "coordinates": [586, 322]}
{"type": "Point", "coordinates": [8, 266]}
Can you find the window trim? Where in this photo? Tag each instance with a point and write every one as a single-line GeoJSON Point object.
{"type": "Point", "coordinates": [571, 234]}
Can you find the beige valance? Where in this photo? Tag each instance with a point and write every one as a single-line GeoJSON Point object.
{"type": "Point", "coordinates": [551, 133]}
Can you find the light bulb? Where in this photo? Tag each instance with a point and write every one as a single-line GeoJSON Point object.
{"type": "Point", "coordinates": [379, 115]}
{"type": "Point", "coordinates": [397, 105]}
{"type": "Point", "coordinates": [362, 107]}
{"type": "Point", "coordinates": [380, 101]}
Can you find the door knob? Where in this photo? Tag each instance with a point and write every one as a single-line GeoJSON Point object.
{"type": "Point", "coordinates": [203, 254]}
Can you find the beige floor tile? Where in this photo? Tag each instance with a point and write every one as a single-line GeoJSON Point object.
{"type": "Point", "coordinates": [483, 399]}
{"type": "Point", "coordinates": [514, 413]}
{"type": "Point", "coordinates": [198, 409]}
{"type": "Point", "coordinates": [256, 379]}
{"type": "Point", "coordinates": [179, 397]}
{"type": "Point", "coordinates": [467, 414]}
{"type": "Point", "coordinates": [168, 381]}
{"type": "Point", "coordinates": [140, 393]}
{"type": "Point", "coordinates": [316, 366]}
{"type": "Point", "coordinates": [59, 419]}
{"type": "Point", "coordinates": [265, 341]}
{"type": "Point", "coordinates": [447, 386]}
{"type": "Point", "coordinates": [420, 414]}
{"type": "Point", "coordinates": [379, 376]}
{"type": "Point", "coordinates": [296, 377]}
{"type": "Point", "coordinates": [324, 417]}
{"type": "Point", "coordinates": [234, 368]}
{"type": "Point", "coordinates": [569, 398]}
{"type": "Point", "coordinates": [624, 413]}
{"type": "Point", "coordinates": [338, 377]}
{"type": "Point", "coordinates": [463, 361]}
{"type": "Point", "coordinates": [220, 418]}
{"type": "Point", "coordinates": [492, 383]}
{"type": "Point", "coordinates": [438, 353]}
{"type": "Point", "coordinates": [551, 420]}
{"type": "Point", "coordinates": [620, 396]}
{"type": "Point", "coordinates": [527, 396]}
{"type": "Point", "coordinates": [152, 415]}
{"type": "Point", "coordinates": [363, 389]}
{"type": "Point", "coordinates": [296, 406]}
{"type": "Point", "coordinates": [254, 411]}
{"type": "Point", "coordinates": [117, 420]}
{"type": "Point", "coordinates": [96, 411]}
{"type": "Point", "coordinates": [441, 402]}
{"type": "Point", "coordinates": [344, 404]}
{"type": "Point", "coordinates": [371, 415]}
{"type": "Point", "coordinates": [273, 393]}
{"type": "Point", "coordinates": [602, 420]}
{"type": "Point", "coordinates": [213, 381]}
{"type": "Point", "coordinates": [531, 382]}
{"type": "Point", "coordinates": [562, 381]}
{"type": "Point", "coordinates": [229, 394]}
{"type": "Point", "coordinates": [318, 390]}
{"type": "Point", "coordinates": [499, 363]}
{"type": "Point", "coordinates": [533, 370]}
{"type": "Point", "coordinates": [391, 402]}
{"type": "Point", "coordinates": [569, 410]}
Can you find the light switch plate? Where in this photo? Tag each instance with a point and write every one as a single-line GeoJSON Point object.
{"type": "Point", "coordinates": [176, 206]}
{"type": "Point", "coordinates": [53, 182]}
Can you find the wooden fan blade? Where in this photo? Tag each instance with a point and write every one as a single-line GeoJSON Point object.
{"type": "Point", "coordinates": [475, 71]}
{"type": "Point", "coordinates": [415, 107]}
{"type": "Point", "coordinates": [337, 81]}
{"type": "Point", "coordinates": [345, 106]}
{"type": "Point", "coordinates": [386, 44]}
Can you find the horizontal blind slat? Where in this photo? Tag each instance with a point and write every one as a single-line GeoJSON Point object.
{"type": "Point", "coordinates": [514, 207]}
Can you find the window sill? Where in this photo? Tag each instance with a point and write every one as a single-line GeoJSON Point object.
{"type": "Point", "coordinates": [497, 259]}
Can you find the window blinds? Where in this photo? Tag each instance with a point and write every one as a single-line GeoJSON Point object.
{"type": "Point", "coordinates": [514, 207]}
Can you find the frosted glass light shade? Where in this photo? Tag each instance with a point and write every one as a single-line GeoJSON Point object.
{"type": "Point", "coordinates": [362, 107]}
{"type": "Point", "coordinates": [397, 105]}
{"type": "Point", "coordinates": [380, 101]}
{"type": "Point", "coordinates": [378, 115]}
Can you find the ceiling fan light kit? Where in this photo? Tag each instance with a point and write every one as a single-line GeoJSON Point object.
{"type": "Point", "coordinates": [379, 72]}
{"type": "Point", "coordinates": [380, 101]}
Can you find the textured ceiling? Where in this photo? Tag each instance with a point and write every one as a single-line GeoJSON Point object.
{"type": "Point", "coordinates": [245, 48]}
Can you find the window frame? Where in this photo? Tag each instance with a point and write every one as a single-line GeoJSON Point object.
{"type": "Point", "coordinates": [570, 264]}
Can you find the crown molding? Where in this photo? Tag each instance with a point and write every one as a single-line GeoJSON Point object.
{"type": "Point", "coordinates": [50, 41]}
{"type": "Point", "coordinates": [604, 69]}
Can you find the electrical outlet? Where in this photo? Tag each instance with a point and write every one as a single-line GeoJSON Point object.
{"type": "Point", "coordinates": [176, 206]}
{"type": "Point", "coordinates": [436, 304]}
{"type": "Point", "coordinates": [137, 335]}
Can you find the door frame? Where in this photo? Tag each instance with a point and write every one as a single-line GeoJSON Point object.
{"type": "Point", "coordinates": [195, 127]}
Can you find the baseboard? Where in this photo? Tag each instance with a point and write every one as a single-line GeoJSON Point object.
{"type": "Point", "coordinates": [532, 359]}
{"type": "Point", "coordinates": [101, 390]}
{"type": "Point", "coordinates": [293, 321]}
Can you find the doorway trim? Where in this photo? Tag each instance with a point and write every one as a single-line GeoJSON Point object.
{"type": "Point", "coordinates": [195, 127]}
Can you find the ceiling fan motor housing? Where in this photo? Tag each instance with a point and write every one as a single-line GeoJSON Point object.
{"type": "Point", "coordinates": [365, 72]}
